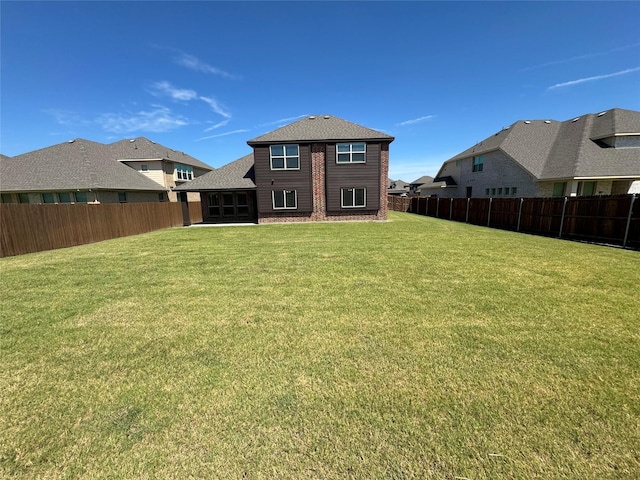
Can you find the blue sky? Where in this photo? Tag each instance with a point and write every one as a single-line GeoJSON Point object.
{"type": "Point", "coordinates": [205, 77]}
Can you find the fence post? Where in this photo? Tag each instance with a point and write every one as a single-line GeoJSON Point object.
{"type": "Point", "coordinates": [437, 206]}
{"type": "Point", "coordinates": [450, 208]}
{"type": "Point", "coordinates": [519, 214]}
{"type": "Point", "coordinates": [489, 214]}
{"type": "Point", "coordinates": [466, 220]}
{"type": "Point", "coordinates": [626, 231]}
{"type": "Point", "coordinates": [564, 209]}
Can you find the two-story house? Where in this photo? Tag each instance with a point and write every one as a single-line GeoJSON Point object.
{"type": "Point", "coordinates": [82, 171]}
{"type": "Point", "coordinates": [593, 154]}
{"type": "Point", "coordinates": [319, 168]}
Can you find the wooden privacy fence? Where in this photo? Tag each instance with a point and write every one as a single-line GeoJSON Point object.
{"type": "Point", "coordinates": [398, 203]}
{"type": "Point", "coordinates": [28, 228]}
{"type": "Point", "coordinates": [613, 220]}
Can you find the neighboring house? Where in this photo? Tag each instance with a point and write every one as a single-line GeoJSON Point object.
{"type": "Point", "coordinates": [397, 187]}
{"type": "Point", "coordinates": [82, 171]}
{"type": "Point", "coordinates": [413, 186]}
{"type": "Point", "coordinates": [320, 168]}
{"type": "Point", "coordinates": [594, 154]}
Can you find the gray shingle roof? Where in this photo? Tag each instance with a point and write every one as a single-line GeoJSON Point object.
{"type": "Point", "coordinates": [320, 128]}
{"type": "Point", "coordinates": [75, 165]}
{"type": "Point", "coordinates": [422, 180]}
{"type": "Point", "coordinates": [237, 175]}
{"type": "Point", "coordinates": [142, 148]}
{"type": "Point", "coordinates": [549, 149]}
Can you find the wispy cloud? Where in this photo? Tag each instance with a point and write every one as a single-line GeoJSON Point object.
{"type": "Point", "coordinates": [282, 120]}
{"type": "Point", "coordinates": [160, 119]}
{"type": "Point", "coordinates": [215, 106]}
{"type": "Point", "coordinates": [416, 120]}
{"type": "Point", "coordinates": [223, 134]}
{"type": "Point", "coordinates": [586, 56]}
{"type": "Point", "coordinates": [217, 125]}
{"type": "Point", "coordinates": [593, 79]}
{"type": "Point", "coordinates": [67, 117]}
{"type": "Point", "coordinates": [194, 63]}
{"type": "Point", "coordinates": [165, 88]}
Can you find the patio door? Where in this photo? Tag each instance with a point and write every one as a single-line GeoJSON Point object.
{"type": "Point", "coordinates": [231, 207]}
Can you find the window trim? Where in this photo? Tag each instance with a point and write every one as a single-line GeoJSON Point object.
{"type": "Point", "coordinates": [353, 198]}
{"type": "Point", "coordinates": [351, 152]}
{"type": "Point", "coordinates": [188, 172]}
{"type": "Point", "coordinates": [284, 193]}
{"type": "Point", "coordinates": [284, 156]}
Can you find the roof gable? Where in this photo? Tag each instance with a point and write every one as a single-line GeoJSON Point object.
{"type": "Point", "coordinates": [320, 128]}
{"type": "Point", "coordinates": [549, 149]}
{"type": "Point", "coordinates": [142, 148]}
{"type": "Point", "coordinates": [237, 175]}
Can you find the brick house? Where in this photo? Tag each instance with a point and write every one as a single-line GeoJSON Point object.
{"type": "Point", "coordinates": [82, 171]}
{"type": "Point", "coordinates": [594, 154]}
{"type": "Point", "coordinates": [319, 168]}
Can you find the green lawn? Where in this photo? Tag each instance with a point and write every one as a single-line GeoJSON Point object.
{"type": "Point", "coordinates": [415, 348]}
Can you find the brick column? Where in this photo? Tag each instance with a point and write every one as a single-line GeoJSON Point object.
{"type": "Point", "coordinates": [384, 178]}
{"type": "Point", "coordinates": [318, 179]}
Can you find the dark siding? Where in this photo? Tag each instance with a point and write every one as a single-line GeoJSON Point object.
{"type": "Point", "coordinates": [268, 180]}
{"type": "Point", "coordinates": [353, 175]}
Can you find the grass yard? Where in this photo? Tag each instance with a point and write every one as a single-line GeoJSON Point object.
{"type": "Point", "coordinates": [415, 348]}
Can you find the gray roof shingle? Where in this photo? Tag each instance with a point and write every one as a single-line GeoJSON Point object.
{"type": "Point", "coordinates": [237, 175]}
{"type": "Point", "coordinates": [320, 128]}
{"type": "Point", "coordinates": [76, 165]}
{"type": "Point", "coordinates": [142, 148]}
{"type": "Point", "coordinates": [549, 149]}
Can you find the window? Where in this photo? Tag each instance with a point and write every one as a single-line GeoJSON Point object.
{"type": "Point", "coordinates": [559, 189]}
{"type": "Point", "coordinates": [284, 157]}
{"type": "Point", "coordinates": [486, 191]}
{"type": "Point", "coordinates": [81, 197]}
{"type": "Point", "coordinates": [458, 163]}
{"type": "Point", "coordinates": [65, 197]}
{"type": "Point", "coordinates": [284, 199]}
{"type": "Point", "coordinates": [587, 189]}
{"type": "Point", "coordinates": [351, 152]}
{"type": "Point", "coordinates": [184, 172]}
{"type": "Point", "coordinates": [242, 204]}
{"type": "Point", "coordinates": [122, 197]}
{"type": "Point", "coordinates": [48, 198]}
{"type": "Point", "coordinates": [161, 197]}
{"type": "Point", "coordinates": [493, 191]}
{"type": "Point", "coordinates": [214, 205]}
{"type": "Point", "coordinates": [23, 197]}
{"type": "Point", "coordinates": [144, 167]}
{"type": "Point", "coordinates": [514, 190]}
{"type": "Point", "coordinates": [6, 198]}
{"type": "Point", "coordinates": [354, 197]}
{"type": "Point", "coordinates": [478, 163]}
{"type": "Point", "coordinates": [500, 191]}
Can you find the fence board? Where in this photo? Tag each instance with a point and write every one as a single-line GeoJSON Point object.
{"type": "Point", "coordinates": [603, 219]}
{"type": "Point", "coordinates": [28, 228]}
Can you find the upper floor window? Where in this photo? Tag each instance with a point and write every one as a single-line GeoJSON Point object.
{"type": "Point", "coordinates": [122, 197]}
{"type": "Point", "coordinates": [144, 167]}
{"type": "Point", "coordinates": [351, 152]}
{"type": "Point", "coordinates": [23, 197]}
{"type": "Point", "coordinates": [284, 157]}
{"type": "Point", "coordinates": [6, 198]}
{"type": "Point", "coordinates": [65, 197]}
{"type": "Point", "coordinates": [48, 198]}
{"type": "Point", "coordinates": [184, 172]}
{"type": "Point", "coordinates": [478, 163]}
